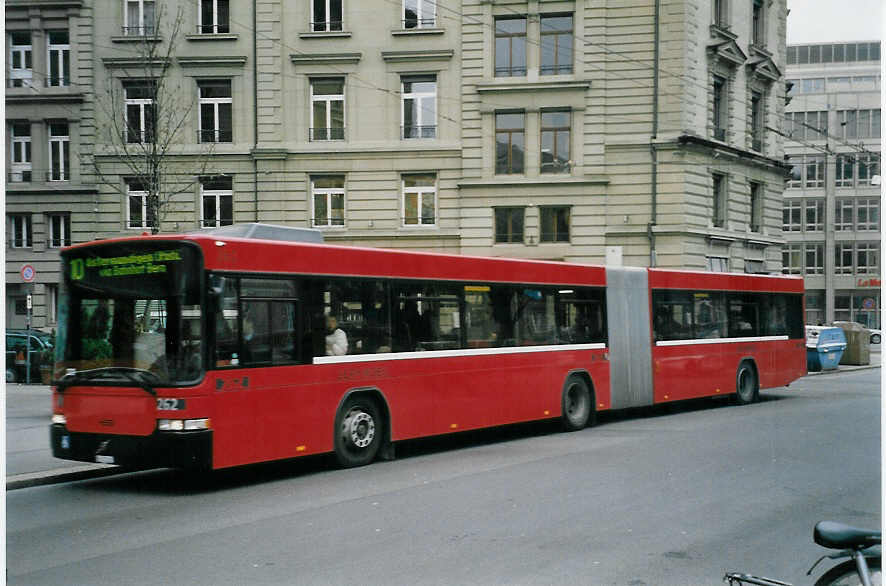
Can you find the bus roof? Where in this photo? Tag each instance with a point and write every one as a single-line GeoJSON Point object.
{"type": "Point", "coordinates": [253, 255]}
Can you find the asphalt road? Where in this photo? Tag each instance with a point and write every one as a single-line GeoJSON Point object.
{"type": "Point", "coordinates": [657, 497]}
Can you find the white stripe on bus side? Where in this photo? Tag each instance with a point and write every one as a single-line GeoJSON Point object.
{"type": "Point", "coordinates": [720, 341]}
{"type": "Point", "coordinates": [454, 353]}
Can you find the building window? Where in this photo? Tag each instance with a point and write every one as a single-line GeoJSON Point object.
{"type": "Point", "coordinates": [814, 172]}
{"type": "Point", "coordinates": [510, 46]}
{"type": "Point", "coordinates": [216, 107]}
{"type": "Point", "coordinates": [59, 152]}
{"type": "Point", "coordinates": [140, 111]}
{"type": "Point", "coordinates": [795, 179]}
{"type": "Point", "coordinates": [59, 230]}
{"type": "Point", "coordinates": [329, 200]}
{"type": "Point", "coordinates": [555, 224]}
{"type": "Point", "coordinates": [844, 214]}
{"type": "Point", "coordinates": [792, 259]}
{"type": "Point", "coordinates": [792, 218]}
{"type": "Point", "coordinates": [327, 109]}
{"type": "Point", "coordinates": [555, 141]}
{"type": "Point", "coordinates": [719, 107]}
{"type": "Point", "coordinates": [868, 166]}
{"type": "Point", "coordinates": [812, 85]}
{"type": "Point", "coordinates": [20, 59]}
{"type": "Point", "coordinates": [139, 215]}
{"type": "Point", "coordinates": [721, 13]}
{"type": "Point", "coordinates": [814, 215]}
{"type": "Point", "coordinates": [419, 13]}
{"type": "Point", "coordinates": [756, 205]}
{"type": "Point", "coordinates": [21, 235]}
{"type": "Point", "coordinates": [845, 171]}
{"type": "Point", "coordinates": [140, 19]}
{"type": "Point", "coordinates": [20, 159]}
{"type": "Point", "coordinates": [419, 112]}
{"type": "Point", "coordinates": [758, 23]}
{"type": "Point", "coordinates": [509, 225]}
{"type": "Point", "coordinates": [867, 214]}
{"type": "Point", "coordinates": [849, 122]}
{"type": "Point", "coordinates": [509, 142]}
{"type": "Point", "coordinates": [217, 199]}
{"type": "Point", "coordinates": [326, 16]}
{"type": "Point", "coordinates": [59, 47]}
{"type": "Point", "coordinates": [814, 259]}
{"type": "Point", "coordinates": [214, 17]}
{"type": "Point", "coordinates": [718, 214]}
{"type": "Point", "coordinates": [717, 264]}
{"type": "Point", "coordinates": [556, 44]}
{"type": "Point", "coordinates": [757, 121]}
{"type": "Point", "coordinates": [419, 200]}
{"type": "Point", "coordinates": [843, 258]}
{"type": "Point", "coordinates": [867, 259]}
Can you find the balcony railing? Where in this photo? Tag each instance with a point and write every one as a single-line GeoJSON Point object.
{"type": "Point", "coordinates": [324, 26]}
{"type": "Point", "coordinates": [58, 175]}
{"type": "Point", "coordinates": [316, 134]}
{"type": "Point", "coordinates": [213, 29]}
{"type": "Point", "coordinates": [419, 23]}
{"type": "Point", "coordinates": [719, 133]}
{"type": "Point", "coordinates": [18, 177]}
{"type": "Point", "coordinates": [214, 135]}
{"type": "Point", "coordinates": [19, 82]}
{"type": "Point", "coordinates": [58, 81]}
{"type": "Point", "coordinates": [556, 69]}
{"type": "Point", "coordinates": [514, 71]}
{"type": "Point", "coordinates": [757, 144]}
{"type": "Point", "coordinates": [144, 30]}
{"type": "Point", "coordinates": [418, 131]}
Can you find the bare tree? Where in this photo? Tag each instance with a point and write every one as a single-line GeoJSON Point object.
{"type": "Point", "coordinates": [146, 111]}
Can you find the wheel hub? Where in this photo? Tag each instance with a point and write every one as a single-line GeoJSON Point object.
{"type": "Point", "coordinates": [359, 428]}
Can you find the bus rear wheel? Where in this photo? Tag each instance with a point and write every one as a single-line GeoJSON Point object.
{"type": "Point", "coordinates": [578, 405]}
{"type": "Point", "coordinates": [747, 387]}
{"type": "Point", "coordinates": [358, 432]}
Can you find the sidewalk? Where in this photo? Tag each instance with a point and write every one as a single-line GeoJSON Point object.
{"type": "Point", "coordinates": [29, 460]}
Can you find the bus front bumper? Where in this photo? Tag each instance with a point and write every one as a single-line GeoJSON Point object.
{"type": "Point", "coordinates": [167, 449]}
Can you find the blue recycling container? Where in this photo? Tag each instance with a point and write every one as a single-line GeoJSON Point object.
{"type": "Point", "coordinates": [824, 347]}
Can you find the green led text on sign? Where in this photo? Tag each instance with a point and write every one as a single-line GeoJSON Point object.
{"type": "Point", "coordinates": [123, 266]}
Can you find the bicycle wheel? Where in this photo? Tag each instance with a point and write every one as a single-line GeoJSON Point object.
{"type": "Point", "coordinates": [846, 574]}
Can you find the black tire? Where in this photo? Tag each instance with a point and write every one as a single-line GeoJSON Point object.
{"type": "Point", "coordinates": [846, 574]}
{"type": "Point", "coordinates": [358, 432]}
{"type": "Point", "coordinates": [577, 404]}
{"type": "Point", "coordinates": [10, 375]}
{"type": "Point", "coordinates": [747, 386]}
{"type": "Point", "coordinates": [875, 339]}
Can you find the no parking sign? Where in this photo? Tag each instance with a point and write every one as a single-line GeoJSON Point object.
{"type": "Point", "coordinates": [28, 274]}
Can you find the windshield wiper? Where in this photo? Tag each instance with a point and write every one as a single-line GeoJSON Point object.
{"type": "Point", "coordinates": [142, 378]}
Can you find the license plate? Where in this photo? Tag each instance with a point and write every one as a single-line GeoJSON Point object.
{"type": "Point", "coordinates": [101, 459]}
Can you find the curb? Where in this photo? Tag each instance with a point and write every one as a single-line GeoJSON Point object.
{"type": "Point", "coordinates": [839, 370]}
{"type": "Point", "coordinates": [58, 475]}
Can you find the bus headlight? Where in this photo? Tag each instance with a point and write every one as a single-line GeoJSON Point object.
{"type": "Point", "coordinates": [59, 419]}
{"type": "Point", "coordinates": [182, 424]}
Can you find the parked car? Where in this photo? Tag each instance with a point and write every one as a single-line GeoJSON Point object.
{"type": "Point", "coordinates": [875, 336]}
{"type": "Point", "coordinates": [16, 354]}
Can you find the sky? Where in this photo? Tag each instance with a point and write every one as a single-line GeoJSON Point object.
{"type": "Point", "coordinates": [823, 21]}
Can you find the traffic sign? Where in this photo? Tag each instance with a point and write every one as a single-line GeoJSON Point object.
{"type": "Point", "coordinates": [28, 274]}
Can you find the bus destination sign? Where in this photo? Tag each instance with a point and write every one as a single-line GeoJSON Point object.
{"type": "Point", "coordinates": [125, 266]}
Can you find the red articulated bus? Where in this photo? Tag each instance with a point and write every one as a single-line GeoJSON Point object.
{"type": "Point", "coordinates": [207, 351]}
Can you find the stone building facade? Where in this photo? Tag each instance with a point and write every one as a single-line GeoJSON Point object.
{"type": "Point", "coordinates": [619, 131]}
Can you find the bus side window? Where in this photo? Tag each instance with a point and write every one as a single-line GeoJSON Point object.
{"type": "Point", "coordinates": [744, 315]}
{"type": "Point", "coordinates": [227, 331]}
{"type": "Point", "coordinates": [580, 316]}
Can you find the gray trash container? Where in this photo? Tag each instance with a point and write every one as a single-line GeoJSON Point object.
{"type": "Point", "coordinates": [858, 343]}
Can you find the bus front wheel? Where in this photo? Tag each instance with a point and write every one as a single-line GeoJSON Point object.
{"type": "Point", "coordinates": [578, 405]}
{"type": "Point", "coordinates": [358, 432]}
{"type": "Point", "coordinates": [747, 387]}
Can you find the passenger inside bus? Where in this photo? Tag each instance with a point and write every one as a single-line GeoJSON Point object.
{"type": "Point", "coordinates": [336, 339]}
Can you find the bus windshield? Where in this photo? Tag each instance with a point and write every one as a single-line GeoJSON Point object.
{"type": "Point", "coordinates": [130, 308]}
